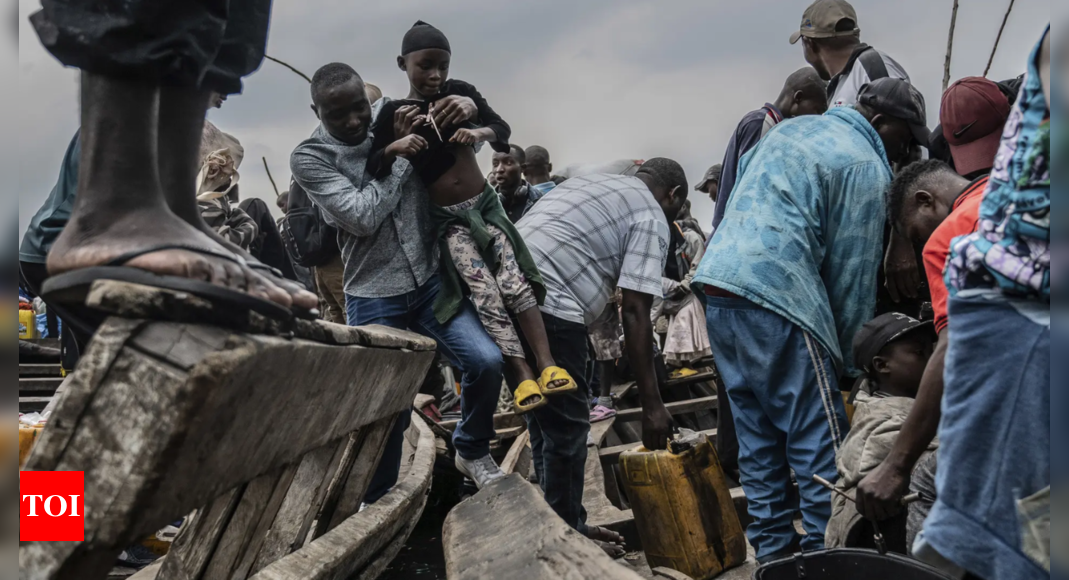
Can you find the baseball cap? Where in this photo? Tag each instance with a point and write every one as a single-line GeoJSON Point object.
{"type": "Point", "coordinates": [880, 332]}
{"type": "Point", "coordinates": [822, 18]}
{"type": "Point", "coordinates": [899, 99]}
{"type": "Point", "coordinates": [973, 113]}
{"type": "Point", "coordinates": [713, 174]}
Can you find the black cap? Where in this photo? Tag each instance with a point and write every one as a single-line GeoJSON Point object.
{"type": "Point", "coordinates": [899, 99]}
{"type": "Point", "coordinates": [880, 332]}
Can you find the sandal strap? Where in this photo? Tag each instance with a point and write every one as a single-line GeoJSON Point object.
{"type": "Point", "coordinates": [123, 259]}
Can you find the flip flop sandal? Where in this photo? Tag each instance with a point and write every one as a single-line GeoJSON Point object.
{"type": "Point", "coordinates": [601, 413]}
{"type": "Point", "coordinates": [272, 272]}
{"type": "Point", "coordinates": [69, 291]}
{"type": "Point", "coordinates": [525, 393]}
{"type": "Point", "coordinates": [554, 374]}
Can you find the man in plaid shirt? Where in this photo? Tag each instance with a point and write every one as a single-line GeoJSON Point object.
{"type": "Point", "coordinates": [589, 236]}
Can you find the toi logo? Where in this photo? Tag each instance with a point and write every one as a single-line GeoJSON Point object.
{"type": "Point", "coordinates": [51, 506]}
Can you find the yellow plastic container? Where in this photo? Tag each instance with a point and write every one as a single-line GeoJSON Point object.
{"type": "Point", "coordinates": [27, 325]}
{"type": "Point", "coordinates": [683, 509]}
{"type": "Point", "coordinates": [27, 435]}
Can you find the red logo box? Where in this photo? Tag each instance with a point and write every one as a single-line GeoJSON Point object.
{"type": "Point", "coordinates": [52, 506]}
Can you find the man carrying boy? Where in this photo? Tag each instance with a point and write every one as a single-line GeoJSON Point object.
{"type": "Point", "coordinates": [789, 278]}
{"type": "Point", "coordinates": [390, 278]}
{"type": "Point", "coordinates": [892, 351]}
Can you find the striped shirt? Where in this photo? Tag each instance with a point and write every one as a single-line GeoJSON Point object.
{"type": "Point", "coordinates": [591, 235]}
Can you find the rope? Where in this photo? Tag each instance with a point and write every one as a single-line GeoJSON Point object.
{"type": "Point", "coordinates": [998, 38]}
{"type": "Point", "coordinates": [950, 46]}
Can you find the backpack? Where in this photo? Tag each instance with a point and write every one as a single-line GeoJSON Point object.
{"type": "Point", "coordinates": [307, 237]}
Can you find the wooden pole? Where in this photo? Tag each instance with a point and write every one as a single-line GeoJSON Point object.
{"type": "Point", "coordinates": [268, 169]}
{"type": "Point", "coordinates": [302, 75]}
{"type": "Point", "coordinates": [950, 47]}
{"type": "Point", "coordinates": [998, 38]}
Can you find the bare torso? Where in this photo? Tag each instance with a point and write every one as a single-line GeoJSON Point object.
{"type": "Point", "coordinates": [462, 182]}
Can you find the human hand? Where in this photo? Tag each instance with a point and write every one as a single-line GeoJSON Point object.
{"type": "Point", "coordinates": [657, 427]}
{"type": "Point", "coordinates": [453, 110]}
{"type": "Point", "coordinates": [406, 147]}
{"type": "Point", "coordinates": [900, 267]}
{"type": "Point", "coordinates": [465, 137]}
{"type": "Point", "coordinates": [879, 495]}
{"type": "Point", "coordinates": [406, 119]}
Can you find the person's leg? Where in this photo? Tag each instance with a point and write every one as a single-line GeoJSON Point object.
{"type": "Point", "coordinates": [120, 205]}
{"type": "Point", "coordinates": [564, 424]}
{"type": "Point", "coordinates": [727, 441]}
{"type": "Point", "coordinates": [466, 344]}
{"type": "Point", "coordinates": [994, 435]}
{"type": "Point", "coordinates": [487, 297]}
{"type": "Point", "coordinates": [808, 406]}
{"type": "Point", "coordinates": [330, 284]}
{"type": "Point", "coordinates": [746, 348]}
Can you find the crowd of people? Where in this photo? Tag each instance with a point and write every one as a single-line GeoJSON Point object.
{"type": "Point", "coordinates": [838, 214]}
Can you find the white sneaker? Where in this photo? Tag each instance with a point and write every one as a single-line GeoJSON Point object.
{"type": "Point", "coordinates": [482, 471]}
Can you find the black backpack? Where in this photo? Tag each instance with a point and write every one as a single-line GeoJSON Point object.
{"type": "Point", "coordinates": [308, 239]}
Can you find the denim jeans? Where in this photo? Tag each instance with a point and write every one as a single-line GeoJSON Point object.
{"type": "Point", "coordinates": [994, 435]}
{"type": "Point", "coordinates": [559, 430]}
{"type": "Point", "coordinates": [463, 341]}
{"type": "Point", "coordinates": [788, 414]}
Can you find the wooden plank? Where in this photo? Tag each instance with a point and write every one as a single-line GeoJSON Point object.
{"type": "Point", "coordinates": [670, 574]}
{"type": "Point", "coordinates": [199, 536]}
{"type": "Point", "coordinates": [611, 455]}
{"type": "Point", "coordinates": [204, 410]}
{"type": "Point", "coordinates": [520, 447]}
{"type": "Point", "coordinates": [300, 506]}
{"type": "Point", "coordinates": [33, 404]}
{"type": "Point", "coordinates": [680, 408]}
{"type": "Point", "coordinates": [241, 527]}
{"type": "Point", "coordinates": [600, 511]}
{"type": "Point", "coordinates": [370, 449]}
{"type": "Point", "coordinates": [365, 540]}
{"type": "Point", "coordinates": [39, 385]}
{"type": "Point", "coordinates": [40, 370]}
{"type": "Point", "coordinates": [481, 539]}
{"type": "Point", "coordinates": [267, 519]}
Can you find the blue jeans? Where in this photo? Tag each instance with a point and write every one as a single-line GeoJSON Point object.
{"type": "Point", "coordinates": [463, 341]}
{"type": "Point", "coordinates": [994, 435]}
{"type": "Point", "coordinates": [559, 430]}
{"type": "Point", "coordinates": [788, 414]}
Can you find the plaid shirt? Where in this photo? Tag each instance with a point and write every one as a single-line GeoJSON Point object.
{"type": "Point", "coordinates": [591, 235]}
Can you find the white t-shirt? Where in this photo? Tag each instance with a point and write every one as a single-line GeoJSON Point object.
{"type": "Point", "coordinates": [593, 234]}
{"type": "Point", "coordinates": [851, 82]}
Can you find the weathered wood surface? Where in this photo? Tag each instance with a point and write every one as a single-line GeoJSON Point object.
{"type": "Point", "coordinates": [367, 541]}
{"type": "Point", "coordinates": [164, 418]}
{"type": "Point", "coordinates": [600, 511]}
{"type": "Point", "coordinates": [680, 408]}
{"type": "Point", "coordinates": [518, 460]}
{"type": "Point", "coordinates": [508, 531]}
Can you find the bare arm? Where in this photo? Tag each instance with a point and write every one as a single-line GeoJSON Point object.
{"type": "Point", "coordinates": [638, 334]}
{"type": "Point", "coordinates": [879, 494]}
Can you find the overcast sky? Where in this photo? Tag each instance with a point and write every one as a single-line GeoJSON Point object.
{"type": "Point", "coordinates": [591, 80]}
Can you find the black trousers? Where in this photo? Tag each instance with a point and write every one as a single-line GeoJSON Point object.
{"type": "Point", "coordinates": [209, 44]}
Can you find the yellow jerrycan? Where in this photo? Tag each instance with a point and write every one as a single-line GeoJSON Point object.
{"type": "Point", "coordinates": [683, 508]}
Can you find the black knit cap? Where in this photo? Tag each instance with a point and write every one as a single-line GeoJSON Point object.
{"type": "Point", "coordinates": [423, 36]}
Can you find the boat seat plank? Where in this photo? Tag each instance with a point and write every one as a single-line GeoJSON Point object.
{"type": "Point", "coordinates": [680, 408]}
{"type": "Point", "coordinates": [483, 539]}
{"type": "Point", "coordinates": [611, 455]}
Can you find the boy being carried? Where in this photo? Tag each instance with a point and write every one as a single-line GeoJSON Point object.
{"type": "Point", "coordinates": [487, 254]}
{"type": "Point", "coordinates": [893, 351]}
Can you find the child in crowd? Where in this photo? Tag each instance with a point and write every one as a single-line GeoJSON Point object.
{"type": "Point", "coordinates": [893, 351]}
{"type": "Point", "coordinates": [488, 255]}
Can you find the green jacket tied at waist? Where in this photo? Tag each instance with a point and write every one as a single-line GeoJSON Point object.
{"type": "Point", "coordinates": [487, 211]}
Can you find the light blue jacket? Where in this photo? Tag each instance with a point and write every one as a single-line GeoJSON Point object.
{"type": "Point", "coordinates": [803, 233]}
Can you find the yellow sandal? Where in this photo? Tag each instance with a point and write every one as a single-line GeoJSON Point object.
{"type": "Point", "coordinates": [553, 374]}
{"type": "Point", "coordinates": [525, 393]}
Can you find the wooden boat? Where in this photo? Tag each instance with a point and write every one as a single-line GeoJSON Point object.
{"type": "Point", "coordinates": [547, 549]}
{"type": "Point", "coordinates": [271, 439]}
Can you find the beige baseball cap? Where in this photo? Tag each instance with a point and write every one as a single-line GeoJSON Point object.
{"type": "Point", "coordinates": [822, 19]}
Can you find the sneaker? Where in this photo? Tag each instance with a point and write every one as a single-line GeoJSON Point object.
{"type": "Point", "coordinates": [137, 556]}
{"type": "Point", "coordinates": [482, 471]}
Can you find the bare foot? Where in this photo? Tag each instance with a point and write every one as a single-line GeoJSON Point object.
{"type": "Point", "coordinates": [95, 241]}
{"type": "Point", "coordinates": [298, 294]}
{"type": "Point", "coordinates": [604, 535]}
